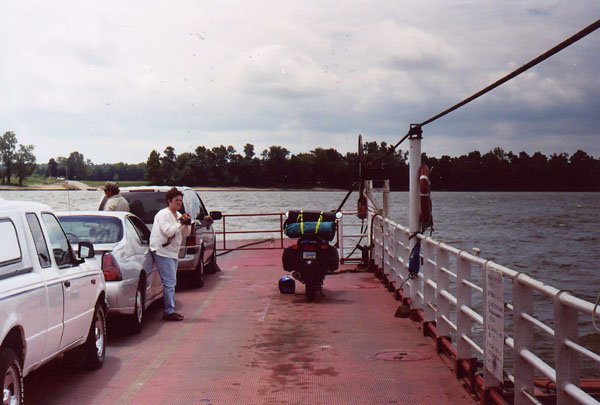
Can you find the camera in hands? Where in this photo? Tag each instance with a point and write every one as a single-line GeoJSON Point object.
{"type": "Point", "coordinates": [185, 220]}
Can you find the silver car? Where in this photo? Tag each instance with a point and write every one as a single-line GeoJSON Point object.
{"type": "Point", "coordinates": [197, 253]}
{"type": "Point", "coordinates": [120, 241]}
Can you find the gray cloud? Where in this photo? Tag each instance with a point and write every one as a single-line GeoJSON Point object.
{"type": "Point", "coordinates": [114, 80]}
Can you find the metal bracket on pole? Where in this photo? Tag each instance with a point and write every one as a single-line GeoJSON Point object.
{"type": "Point", "coordinates": [415, 131]}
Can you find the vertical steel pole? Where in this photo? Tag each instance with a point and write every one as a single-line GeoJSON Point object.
{"type": "Point", "coordinates": [340, 235]}
{"type": "Point", "coordinates": [386, 198]}
{"type": "Point", "coordinates": [414, 206]}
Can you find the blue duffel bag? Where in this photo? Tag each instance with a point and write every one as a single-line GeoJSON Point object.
{"type": "Point", "coordinates": [325, 229]}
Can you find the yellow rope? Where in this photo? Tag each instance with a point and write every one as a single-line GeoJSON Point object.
{"type": "Point", "coordinates": [319, 223]}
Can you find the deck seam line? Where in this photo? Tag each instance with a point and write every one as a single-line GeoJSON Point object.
{"type": "Point", "coordinates": [157, 363]}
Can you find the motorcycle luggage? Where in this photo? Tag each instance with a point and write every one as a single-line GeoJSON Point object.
{"type": "Point", "coordinates": [330, 259]}
{"type": "Point", "coordinates": [325, 230]}
{"type": "Point", "coordinates": [292, 259]}
{"type": "Point", "coordinates": [309, 216]}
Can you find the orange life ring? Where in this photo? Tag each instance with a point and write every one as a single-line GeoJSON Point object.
{"type": "Point", "coordinates": [425, 191]}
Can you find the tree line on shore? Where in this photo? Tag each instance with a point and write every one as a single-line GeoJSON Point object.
{"type": "Point", "coordinates": [223, 166]}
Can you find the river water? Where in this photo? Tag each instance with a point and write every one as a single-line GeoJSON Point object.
{"type": "Point", "coordinates": [553, 237]}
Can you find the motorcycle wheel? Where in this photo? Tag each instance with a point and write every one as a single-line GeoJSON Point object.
{"type": "Point", "coordinates": [311, 292]}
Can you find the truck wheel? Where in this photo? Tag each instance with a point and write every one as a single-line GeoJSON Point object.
{"type": "Point", "coordinates": [137, 318]}
{"type": "Point", "coordinates": [95, 345]}
{"type": "Point", "coordinates": [198, 273]}
{"type": "Point", "coordinates": [12, 376]}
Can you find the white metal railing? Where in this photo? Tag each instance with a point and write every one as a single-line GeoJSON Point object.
{"type": "Point", "coordinates": [451, 290]}
{"type": "Point", "coordinates": [351, 232]}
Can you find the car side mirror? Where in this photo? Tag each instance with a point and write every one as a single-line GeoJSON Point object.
{"type": "Point", "coordinates": [216, 215]}
{"type": "Point", "coordinates": [85, 250]}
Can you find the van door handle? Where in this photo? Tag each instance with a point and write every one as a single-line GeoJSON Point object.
{"type": "Point", "coordinates": [67, 283]}
{"type": "Point", "coordinates": [93, 281]}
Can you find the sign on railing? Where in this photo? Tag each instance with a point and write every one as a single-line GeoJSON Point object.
{"type": "Point", "coordinates": [494, 321]}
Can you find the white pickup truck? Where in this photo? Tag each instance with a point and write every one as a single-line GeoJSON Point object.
{"type": "Point", "coordinates": [51, 301]}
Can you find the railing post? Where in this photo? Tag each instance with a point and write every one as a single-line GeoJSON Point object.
{"type": "Point", "coordinates": [523, 335]}
{"type": "Point", "coordinates": [281, 221]}
{"type": "Point", "coordinates": [370, 223]}
{"type": "Point", "coordinates": [224, 234]}
{"type": "Point", "coordinates": [567, 361]}
{"type": "Point", "coordinates": [463, 298]}
{"type": "Point", "coordinates": [386, 249]}
{"type": "Point", "coordinates": [340, 234]}
{"type": "Point", "coordinates": [443, 283]}
{"type": "Point", "coordinates": [428, 251]}
{"type": "Point", "coordinates": [395, 252]}
{"type": "Point", "coordinates": [378, 242]}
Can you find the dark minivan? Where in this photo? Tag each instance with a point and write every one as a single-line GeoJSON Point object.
{"type": "Point", "coordinates": [197, 254]}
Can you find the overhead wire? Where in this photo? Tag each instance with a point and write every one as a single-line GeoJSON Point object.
{"type": "Point", "coordinates": [415, 129]}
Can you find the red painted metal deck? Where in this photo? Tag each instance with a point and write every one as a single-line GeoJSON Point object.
{"type": "Point", "coordinates": [242, 342]}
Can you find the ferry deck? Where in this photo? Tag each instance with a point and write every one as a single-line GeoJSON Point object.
{"type": "Point", "coordinates": [242, 342]}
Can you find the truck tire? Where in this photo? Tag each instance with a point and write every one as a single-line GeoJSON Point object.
{"type": "Point", "coordinates": [12, 377]}
{"type": "Point", "coordinates": [95, 345]}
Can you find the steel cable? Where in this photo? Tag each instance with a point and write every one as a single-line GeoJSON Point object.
{"type": "Point", "coordinates": [566, 43]}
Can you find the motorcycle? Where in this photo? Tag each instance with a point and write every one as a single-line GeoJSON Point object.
{"type": "Point", "coordinates": [311, 257]}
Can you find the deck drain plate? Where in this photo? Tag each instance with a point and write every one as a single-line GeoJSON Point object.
{"type": "Point", "coordinates": [401, 355]}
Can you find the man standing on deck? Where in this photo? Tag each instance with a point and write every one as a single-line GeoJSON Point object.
{"type": "Point", "coordinates": [114, 200]}
{"type": "Point", "coordinates": [168, 230]}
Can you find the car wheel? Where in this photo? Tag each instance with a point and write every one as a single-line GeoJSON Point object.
{"type": "Point", "coordinates": [137, 318]}
{"type": "Point", "coordinates": [212, 266]}
{"type": "Point", "coordinates": [12, 376]}
{"type": "Point", "coordinates": [198, 273]}
{"type": "Point", "coordinates": [95, 345]}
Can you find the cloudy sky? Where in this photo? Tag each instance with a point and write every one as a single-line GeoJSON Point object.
{"type": "Point", "coordinates": [115, 79]}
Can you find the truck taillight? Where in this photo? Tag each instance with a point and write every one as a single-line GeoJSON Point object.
{"type": "Point", "coordinates": [110, 268]}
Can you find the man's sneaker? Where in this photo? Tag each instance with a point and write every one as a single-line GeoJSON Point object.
{"type": "Point", "coordinates": [173, 317]}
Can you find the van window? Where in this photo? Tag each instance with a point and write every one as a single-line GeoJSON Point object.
{"type": "Point", "coordinates": [38, 239]}
{"type": "Point", "coordinates": [145, 204]}
{"type": "Point", "coordinates": [11, 249]}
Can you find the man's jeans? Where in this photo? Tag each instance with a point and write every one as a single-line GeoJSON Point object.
{"type": "Point", "coordinates": [167, 268]}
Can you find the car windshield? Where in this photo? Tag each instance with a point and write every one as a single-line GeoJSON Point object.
{"type": "Point", "coordinates": [145, 204]}
{"type": "Point", "coordinates": [93, 229]}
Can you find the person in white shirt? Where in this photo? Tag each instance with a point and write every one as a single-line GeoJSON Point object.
{"type": "Point", "coordinates": [114, 200]}
{"type": "Point", "coordinates": [168, 230]}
